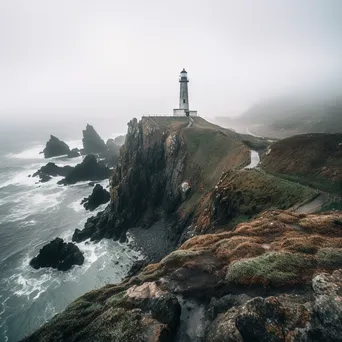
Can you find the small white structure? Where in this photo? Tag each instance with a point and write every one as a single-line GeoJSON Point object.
{"type": "Point", "coordinates": [183, 109]}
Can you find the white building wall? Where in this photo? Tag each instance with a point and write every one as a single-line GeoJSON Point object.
{"type": "Point", "coordinates": [179, 112]}
{"type": "Point", "coordinates": [183, 96]}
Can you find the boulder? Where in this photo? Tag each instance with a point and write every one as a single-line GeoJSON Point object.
{"type": "Point", "coordinates": [92, 142]}
{"type": "Point", "coordinates": [75, 152]}
{"type": "Point", "coordinates": [58, 254]}
{"type": "Point", "coordinates": [55, 147]}
{"type": "Point", "coordinates": [88, 170]}
{"type": "Point", "coordinates": [97, 197]}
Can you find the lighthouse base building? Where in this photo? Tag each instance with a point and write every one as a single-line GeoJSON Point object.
{"type": "Point", "coordinates": [183, 112]}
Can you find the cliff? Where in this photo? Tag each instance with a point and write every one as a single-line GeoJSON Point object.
{"type": "Point", "coordinates": [165, 168]}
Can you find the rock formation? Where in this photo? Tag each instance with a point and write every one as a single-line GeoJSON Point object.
{"type": "Point", "coordinates": [92, 142]}
{"type": "Point", "coordinates": [272, 278]}
{"type": "Point", "coordinates": [155, 161]}
{"type": "Point", "coordinates": [46, 172]}
{"type": "Point", "coordinates": [89, 170]}
{"type": "Point", "coordinates": [97, 197]}
{"type": "Point", "coordinates": [120, 140]}
{"type": "Point", "coordinates": [113, 152]}
{"type": "Point", "coordinates": [58, 254]}
{"type": "Point", "coordinates": [75, 152]}
{"type": "Point", "coordinates": [55, 147]}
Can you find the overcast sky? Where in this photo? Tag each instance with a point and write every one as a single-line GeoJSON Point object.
{"type": "Point", "coordinates": [63, 58]}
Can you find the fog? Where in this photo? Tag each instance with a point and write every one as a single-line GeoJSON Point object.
{"type": "Point", "coordinates": [86, 60]}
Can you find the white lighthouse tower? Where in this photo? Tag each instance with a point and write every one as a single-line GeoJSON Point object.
{"type": "Point", "coordinates": [184, 97]}
{"type": "Point", "coordinates": [183, 94]}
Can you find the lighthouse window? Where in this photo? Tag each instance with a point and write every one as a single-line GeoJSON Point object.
{"type": "Point", "coordinates": [183, 100]}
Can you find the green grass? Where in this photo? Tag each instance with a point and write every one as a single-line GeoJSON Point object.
{"type": "Point", "coordinates": [312, 181]}
{"type": "Point", "coordinates": [329, 257]}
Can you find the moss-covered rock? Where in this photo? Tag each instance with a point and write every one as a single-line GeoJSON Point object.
{"type": "Point", "coordinates": [275, 269]}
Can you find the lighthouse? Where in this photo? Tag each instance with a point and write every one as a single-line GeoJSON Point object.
{"type": "Point", "coordinates": [183, 94]}
{"type": "Point", "coordinates": [183, 109]}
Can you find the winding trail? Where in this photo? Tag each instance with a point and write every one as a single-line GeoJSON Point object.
{"type": "Point", "coordinates": [255, 160]}
{"type": "Point", "coordinates": [314, 205]}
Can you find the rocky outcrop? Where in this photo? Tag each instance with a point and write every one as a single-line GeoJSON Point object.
{"type": "Point", "coordinates": [160, 172]}
{"type": "Point", "coordinates": [112, 154]}
{"type": "Point", "coordinates": [275, 278]}
{"type": "Point", "coordinates": [75, 152]}
{"type": "Point", "coordinates": [286, 317]}
{"type": "Point", "coordinates": [55, 147]}
{"type": "Point", "coordinates": [96, 198]}
{"type": "Point", "coordinates": [92, 142]}
{"type": "Point", "coordinates": [58, 254]}
{"type": "Point", "coordinates": [89, 170]}
{"type": "Point", "coordinates": [140, 313]}
{"type": "Point", "coordinates": [120, 140]}
{"type": "Point", "coordinates": [46, 172]}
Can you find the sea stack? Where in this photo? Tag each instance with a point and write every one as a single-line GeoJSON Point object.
{"type": "Point", "coordinates": [92, 142]}
{"type": "Point", "coordinates": [55, 147]}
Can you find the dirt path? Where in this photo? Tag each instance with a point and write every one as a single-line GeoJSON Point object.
{"type": "Point", "coordinates": [255, 160]}
{"type": "Point", "coordinates": [314, 205]}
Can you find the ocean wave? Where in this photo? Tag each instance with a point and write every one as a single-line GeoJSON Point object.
{"type": "Point", "coordinates": [31, 202]}
{"type": "Point", "coordinates": [31, 153]}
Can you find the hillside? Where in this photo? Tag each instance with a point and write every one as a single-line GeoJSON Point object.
{"type": "Point", "coordinates": [284, 117]}
{"type": "Point", "coordinates": [311, 159]}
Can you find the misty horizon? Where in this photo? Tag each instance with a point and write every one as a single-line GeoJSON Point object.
{"type": "Point", "coordinates": [86, 61]}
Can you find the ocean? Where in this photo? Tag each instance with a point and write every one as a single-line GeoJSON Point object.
{"type": "Point", "coordinates": [33, 214]}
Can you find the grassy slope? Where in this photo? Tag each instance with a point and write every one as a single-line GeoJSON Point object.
{"type": "Point", "coordinates": [242, 194]}
{"type": "Point", "coordinates": [311, 159]}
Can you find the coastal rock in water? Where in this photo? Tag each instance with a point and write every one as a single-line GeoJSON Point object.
{"type": "Point", "coordinates": [58, 254]}
{"type": "Point", "coordinates": [46, 172]}
{"type": "Point", "coordinates": [55, 147]}
{"type": "Point", "coordinates": [88, 170]}
{"type": "Point", "coordinates": [75, 152]}
{"type": "Point", "coordinates": [112, 146]}
{"type": "Point", "coordinates": [113, 153]}
{"type": "Point", "coordinates": [98, 196]}
{"type": "Point", "coordinates": [92, 142]}
{"type": "Point", "coordinates": [120, 140]}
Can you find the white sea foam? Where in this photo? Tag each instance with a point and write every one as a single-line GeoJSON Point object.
{"type": "Point", "coordinates": [31, 153]}
{"type": "Point", "coordinates": [76, 206]}
{"type": "Point", "coordinates": [31, 202]}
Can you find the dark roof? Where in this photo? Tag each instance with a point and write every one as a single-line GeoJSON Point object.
{"type": "Point", "coordinates": [183, 70]}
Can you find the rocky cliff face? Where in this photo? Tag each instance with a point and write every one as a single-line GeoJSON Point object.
{"type": "Point", "coordinates": [162, 173]}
